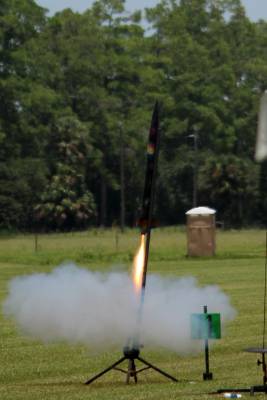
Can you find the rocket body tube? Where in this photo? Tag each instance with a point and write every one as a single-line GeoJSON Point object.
{"type": "Point", "coordinates": [145, 222]}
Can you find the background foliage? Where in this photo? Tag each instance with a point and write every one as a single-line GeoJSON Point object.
{"type": "Point", "coordinates": [76, 95]}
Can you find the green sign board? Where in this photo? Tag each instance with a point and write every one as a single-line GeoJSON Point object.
{"type": "Point", "coordinates": [206, 326]}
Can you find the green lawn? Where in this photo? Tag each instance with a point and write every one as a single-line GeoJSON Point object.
{"type": "Point", "coordinates": [32, 370]}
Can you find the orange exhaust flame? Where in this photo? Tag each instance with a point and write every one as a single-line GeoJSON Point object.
{"type": "Point", "coordinates": [139, 261]}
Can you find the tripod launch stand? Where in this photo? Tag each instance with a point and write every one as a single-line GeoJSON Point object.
{"type": "Point", "coordinates": [131, 355]}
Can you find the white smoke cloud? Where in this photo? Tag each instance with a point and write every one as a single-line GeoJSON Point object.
{"type": "Point", "coordinates": [100, 309]}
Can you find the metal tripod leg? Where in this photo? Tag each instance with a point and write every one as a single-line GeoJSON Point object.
{"type": "Point", "coordinates": [105, 370]}
{"type": "Point", "coordinates": [131, 372]}
{"type": "Point", "coordinates": [157, 369]}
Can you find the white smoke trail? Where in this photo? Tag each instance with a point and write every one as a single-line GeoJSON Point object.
{"type": "Point", "coordinates": [99, 310]}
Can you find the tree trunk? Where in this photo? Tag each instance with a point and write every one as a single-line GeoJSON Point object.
{"type": "Point", "coordinates": [103, 203]}
{"type": "Point", "coordinates": [122, 186]}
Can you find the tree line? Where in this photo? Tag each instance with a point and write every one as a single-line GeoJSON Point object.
{"type": "Point", "coordinates": [77, 91]}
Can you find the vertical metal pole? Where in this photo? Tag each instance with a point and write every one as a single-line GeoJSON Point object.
{"type": "Point", "coordinates": [36, 242]}
{"type": "Point", "coordinates": [207, 376]}
{"type": "Point", "coordinates": [264, 369]}
{"type": "Point", "coordinates": [147, 245]}
{"type": "Point", "coordinates": [117, 239]}
{"type": "Point", "coordinates": [206, 346]}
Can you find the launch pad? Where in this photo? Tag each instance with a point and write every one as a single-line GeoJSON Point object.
{"type": "Point", "coordinates": [131, 355]}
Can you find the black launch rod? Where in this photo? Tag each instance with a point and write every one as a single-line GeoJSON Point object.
{"type": "Point", "coordinates": [147, 246]}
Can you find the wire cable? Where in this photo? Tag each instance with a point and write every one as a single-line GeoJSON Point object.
{"type": "Point", "coordinates": [265, 295]}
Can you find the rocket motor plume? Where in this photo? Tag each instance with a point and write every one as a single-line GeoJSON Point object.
{"type": "Point", "coordinates": [138, 265]}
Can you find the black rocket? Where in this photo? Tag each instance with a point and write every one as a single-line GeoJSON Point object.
{"type": "Point", "coordinates": [146, 221]}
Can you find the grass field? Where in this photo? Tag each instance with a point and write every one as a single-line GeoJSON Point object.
{"type": "Point", "coordinates": [35, 371]}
